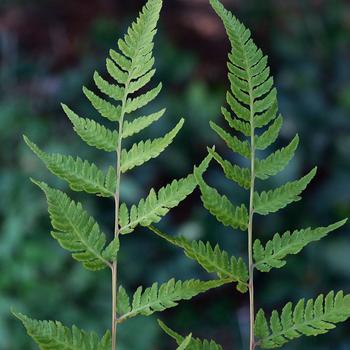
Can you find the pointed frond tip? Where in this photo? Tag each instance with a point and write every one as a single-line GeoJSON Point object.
{"type": "Point", "coordinates": [160, 297]}
{"type": "Point", "coordinates": [80, 174]}
{"type": "Point", "coordinates": [78, 232]}
{"type": "Point", "coordinates": [213, 260]}
{"type": "Point", "coordinates": [309, 318]}
{"type": "Point", "coordinates": [275, 251]}
{"type": "Point", "coordinates": [50, 335]}
{"type": "Point", "coordinates": [194, 344]}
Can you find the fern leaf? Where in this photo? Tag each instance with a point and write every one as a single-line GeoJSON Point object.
{"type": "Point", "coordinates": [276, 161]}
{"type": "Point", "coordinates": [312, 318]}
{"type": "Point", "coordinates": [236, 145]}
{"type": "Point", "coordinates": [138, 124]}
{"type": "Point", "coordinates": [81, 175]}
{"type": "Point", "coordinates": [274, 253]}
{"type": "Point", "coordinates": [146, 150]}
{"type": "Point", "coordinates": [105, 108]}
{"type": "Point", "coordinates": [76, 231]}
{"type": "Point", "coordinates": [270, 135]}
{"type": "Point", "coordinates": [220, 206]}
{"type": "Point", "coordinates": [186, 342]}
{"type": "Point", "coordinates": [53, 335]}
{"type": "Point", "coordinates": [236, 123]}
{"type": "Point", "coordinates": [158, 298]}
{"type": "Point", "coordinates": [94, 134]}
{"type": "Point", "coordinates": [133, 104]}
{"type": "Point", "coordinates": [213, 260]}
{"type": "Point", "coordinates": [156, 205]}
{"type": "Point", "coordinates": [274, 200]}
{"type": "Point", "coordinates": [194, 344]}
{"type": "Point", "coordinates": [111, 90]}
{"type": "Point", "coordinates": [232, 171]}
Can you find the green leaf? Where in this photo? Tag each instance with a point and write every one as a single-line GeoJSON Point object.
{"type": "Point", "coordinates": [220, 206]}
{"type": "Point", "coordinates": [134, 127]}
{"type": "Point", "coordinates": [156, 205]}
{"type": "Point", "coordinates": [111, 90]}
{"type": "Point", "coordinates": [167, 295]}
{"type": "Point", "coordinates": [195, 343]}
{"type": "Point", "coordinates": [274, 200]}
{"type": "Point", "coordinates": [236, 145]}
{"type": "Point", "coordinates": [270, 135]}
{"type": "Point", "coordinates": [76, 231]}
{"type": "Point", "coordinates": [274, 253]}
{"type": "Point", "coordinates": [105, 108]}
{"type": "Point", "coordinates": [211, 259]}
{"type": "Point", "coordinates": [236, 123]}
{"type": "Point", "coordinates": [312, 318]}
{"type": "Point", "coordinates": [232, 171]}
{"type": "Point", "coordinates": [94, 134]}
{"type": "Point", "coordinates": [276, 161]}
{"type": "Point", "coordinates": [53, 335]}
{"type": "Point", "coordinates": [81, 175]}
{"type": "Point", "coordinates": [146, 150]}
{"type": "Point", "coordinates": [184, 345]}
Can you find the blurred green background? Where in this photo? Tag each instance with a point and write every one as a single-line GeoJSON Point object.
{"type": "Point", "coordinates": [49, 49]}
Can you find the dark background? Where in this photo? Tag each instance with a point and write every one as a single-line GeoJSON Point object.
{"type": "Point", "coordinates": [49, 49]}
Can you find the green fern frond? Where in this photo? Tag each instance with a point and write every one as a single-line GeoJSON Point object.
{"type": "Point", "coordinates": [111, 90]}
{"type": "Point", "coordinates": [274, 200]}
{"type": "Point", "coordinates": [312, 318]}
{"type": "Point", "coordinates": [158, 298]}
{"type": "Point", "coordinates": [146, 150]}
{"type": "Point", "coordinates": [276, 161]}
{"type": "Point", "coordinates": [53, 335]}
{"type": "Point", "coordinates": [155, 205]}
{"type": "Point", "coordinates": [268, 137]}
{"type": "Point", "coordinates": [138, 124]}
{"type": "Point", "coordinates": [232, 171]}
{"type": "Point", "coordinates": [194, 344]}
{"type": "Point", "coordinates": [186, 342]}
{"type": "Point", "coordinates": [213, 260]}
{"type": "Point", "coordinates": [236, 123]}
{"type": "Point", "coordinates": [274, 253]}
{"type": "Point", "coordinates": [236, 145]}
{"type": "Point", "coordinates": [94, 134]}
{"type": "Point", "coordinates": [76, 231]}
{"type": "Point", "coordinates": [220, 206]}
{"type": "Point", "coordinates": [81, 175]}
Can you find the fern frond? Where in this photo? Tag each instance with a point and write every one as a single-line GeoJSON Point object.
{"type": "Point", "coordinates": [236, 145]}
{"type": "Point", "coordinates": [274, 253]}
{"type": "Point", "coordinates": [94, 134]}
{"type": "Point", "coordinates": [158, 298]}
{"type": "Point", "coordinates": [111, 90]}
{"type": "Point", "coordinates": [53, 335]}
{"type": "Point", "coordinates": [76, 231]}
{"type": "Point", "coordinates": [236, 123]}
{"type": "Point", "coordinates": [274, 200]}
{"type": "Point", "coordinates": [81, 175]}
{"type": "Point", "coordinates": [194, 344]}
{"type": "Point", "coordinates": [220, 206]}
{"type": "Point", "coordinates": [232, 171]}
{"type": "Point", "coordinates": [312, 318]}
{"type": "Point", "coordinates": [156, 205]}
{"type": "Point", "coordinates": [213, 260]}
{"type": "Point", "coordinates": [268, 137]}
{"type": "Point", "coordinates": [105, 108]}
{"type": "Point", "coordinates": [186, 342]}
{"type": "Point", "coordinates": [138, 124]}
{"type": "Point", "coordinates": [146, 150]}
{"type": "Point", "coordinates": [276, 161]}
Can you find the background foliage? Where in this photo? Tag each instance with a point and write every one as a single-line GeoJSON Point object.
{"type": "Point", "coordinates": [49, 49]}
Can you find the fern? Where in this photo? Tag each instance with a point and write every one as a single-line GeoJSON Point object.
{"type": "Point", "coordinates": [309, 318]}
{"type": "Point", "coordinates": [50, 335]}
{"type": "Point", "coordinates": [212, 259]}
{"type": "Point", "coordinates": [254, 124]}
{"type": "Point", "coordinates": [118, 99]}
{"type": "Point", "coordinates": [158, 298]}
{"type": "Point", "coordinates": [194, 344]}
